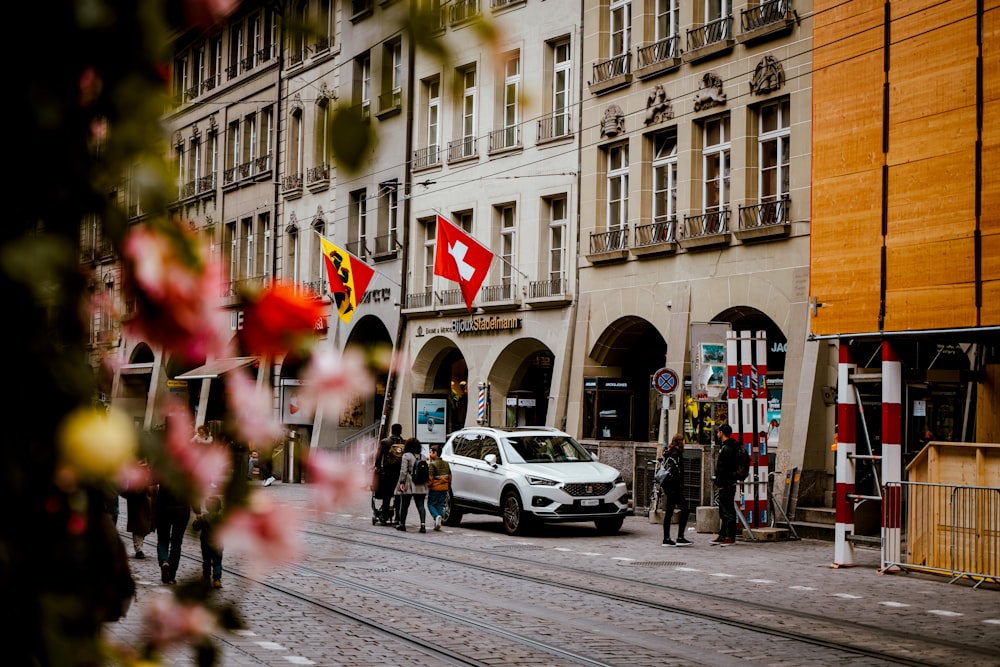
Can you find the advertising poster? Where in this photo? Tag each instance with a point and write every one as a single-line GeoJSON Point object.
{"type": "Point", "coordinates": [292, 411]}
{"type": "Point", "coordinates": [429, 418]}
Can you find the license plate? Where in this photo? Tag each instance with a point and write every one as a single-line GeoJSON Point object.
{"type": "Point", "coordinates": [590, 502]}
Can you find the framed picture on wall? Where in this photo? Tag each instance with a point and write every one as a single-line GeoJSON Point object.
{"type": "Point", "coordinates": [430, 414]}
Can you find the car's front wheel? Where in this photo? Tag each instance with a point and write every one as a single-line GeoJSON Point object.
{"type": "Point", "coordinates": [609, 526]}
{"type": "Point", "coordinates": [451, 515]}
{"type": "Point", "coordinates": [515, 521]}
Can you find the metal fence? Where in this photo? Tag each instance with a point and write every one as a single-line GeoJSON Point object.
{"type": "Point", "coordinates": [948, 529]}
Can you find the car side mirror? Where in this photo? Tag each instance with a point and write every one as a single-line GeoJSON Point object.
{"type": "Point", "coordinates": [491, 459]}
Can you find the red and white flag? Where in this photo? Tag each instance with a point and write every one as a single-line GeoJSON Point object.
{"type": "Point", "coordinates": [461, 258]}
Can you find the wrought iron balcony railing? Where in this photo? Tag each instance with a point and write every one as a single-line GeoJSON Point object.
{"type": "Point", "coordinates": [427, 157]}
{"type": "Point", "coordinates": [707, 224]}
{"type": "Point", "coordinates": [291, 183]}
{"type": "Point", "coordinates": [462, 149]}
{"type": "Point", "coordinates": [539, 289]}
{"type": "Point", "coordinates": [508, 137]}
{"type": "Point", "coordinates": [764, 14]}
{"type": "Point", "coordinates": [463, 10]}
{"type": "Point", "coordinates": [710, 33]}
{"type": "Point", "coordinates": [659, 231]}
{"type": "Point", "coordinates": [503, 292]}
{"type": "Point", "coordinates": [318, 174]}
{"type": "Point", "coordinates": [555, 125]}
{"type": "Point", "coordinates": [419, 299]}
{"type": "Point", "coordinates": [451, 297]}
{"type": "Point", "coordinates": [609, 241]}
{"type": "Point", "coordinates": [609, 69]}
{"type": "Point", "coordinates": [657, 52]}
{"type": "Point", "coordinates": [765, 214]}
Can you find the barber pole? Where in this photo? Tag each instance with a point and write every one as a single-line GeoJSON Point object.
{"type": "Point", "coordinates": [892, 470]}
{"type": "Point", "coordinates": [843, 548]}
{"type": "Point", "coordinates": [481, 405]}
{"type": "Point", "coordinates": [760, 462]}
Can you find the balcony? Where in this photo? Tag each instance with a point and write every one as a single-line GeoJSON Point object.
{"type": "Point", "coordinates": [291, 185]}
{"type": "Point", "coordinates": [612, 74]}
{"type": "Point", "coordinates": [192, 92]}
{"type": "Point", "coordinates": [708, 230]}
{"type": "Point", "coordinates": [317, 289]}
{"type": "Point", "coordinates": [462, 150]}
{"type": "Point", "coordinates": [198, 187]}
{"type": "Point", "coordinates": [357, 248]}
{"type": "Point", "coordinates": [318, 177]}
{"type": "Point", "coordinates": [417, 301]}
{"type": "Point", "coordinates": [766, 20]}
{"type": "Point", "coordinates": [555, 126]}
{"type": "Point", "coordinates": [462, 11]}
{"type": "Point", "coordinates": [656, 238]}
{"type": "Point", "coordinates": [548, 293]}
{"type": "Point", "coordinates": [386, 247]}
{"type": "Point", "coordinates": [424, 158]}
{"type": "Point", "coordinates": [450, 300]}
{"type": "Point", "coordinates": [499, 297]}
{"type": "Point", "coordinates": [610, 246]}
{"type": "Point", "coordinates": [500, 5]}
{"type": "Point", "coordinates": [762, 222]}
{"type": "Point", "coordinates": [390, 103]}
{"type": "Point", "coordinates": [709, 40]}
{"type": "Point", "coordinates": [211, 83]}
{"type": "Point", "coordinates": [507, 139]}
{"type": "Point", "coordinates": [658, 57]}
{"type": "Point", "coordinates": [233, 290]}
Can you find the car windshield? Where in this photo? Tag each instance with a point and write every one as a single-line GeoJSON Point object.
{"type": "Point", "coordinates": [548, 449]}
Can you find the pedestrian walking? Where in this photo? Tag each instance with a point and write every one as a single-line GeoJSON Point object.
{"type": "Point", "coordinates": [202, 436]}
{"type": "Point", "coordinates": [172, 515]}
{"type": "Point", "coordinates": [206, 521]}
{"type": "Point", "coordinates": [387, 463]}
{"type": "Point", "coordinates": [139, 512]}
{"type": "Point", "coordinates": [437, 485]}
{"type": "Point", "coordinates": [410, 485]}
{"type": "Point", "coordinates": [725, 486]}
{"type": "Point", "coordinates": [673, 490]}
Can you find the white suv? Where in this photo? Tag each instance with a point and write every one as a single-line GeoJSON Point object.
{"type": "Point", "coordinates": [531, 474]}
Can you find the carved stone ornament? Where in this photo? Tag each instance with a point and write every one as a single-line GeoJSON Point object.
{"type": "Point", "coordinates": [195, 134]}
{"type": "Point", "coordinates": [658, 106]}
{"type": "Point", "coordinates": [295, 106]}
{"type": "Point", "coordinates": [768, 77]}
{"type": "Point", "coordinates": [325, 93]}
{"type": "Point", "coordinates": [293, 224]}
{"type": "Point", "coordinates": [709, 92]}
{"type": "Point", "coordinates": [179, 139]}
{"type": "Point", "coordinates": [213, 125]}
{"type": "Point", "coordinates": [613, 122]}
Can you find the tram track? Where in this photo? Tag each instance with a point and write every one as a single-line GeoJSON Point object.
{"type": "Point", "coordinates": [781, 623]}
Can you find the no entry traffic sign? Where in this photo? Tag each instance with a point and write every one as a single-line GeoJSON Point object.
{"type": "Point", "coordinates": [665, 381]}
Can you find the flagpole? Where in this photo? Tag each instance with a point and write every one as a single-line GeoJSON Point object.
{"type": "Point", "coordinates": [500, 257]}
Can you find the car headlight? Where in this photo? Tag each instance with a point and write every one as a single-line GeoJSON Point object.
{"type": "Point", "coordinates": [540, 481]}
{"type": "Point", "coordinates": [619, 480]}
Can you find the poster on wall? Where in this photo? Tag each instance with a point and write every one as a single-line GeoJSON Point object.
{"type": "Point", "coordinates": [353, 415]}
{"type": "Point", "coordinates": [292, 410]}
{"type": "Point", "coordinates": [708, 361]}
{"type": "Point", "coordinates": [430, 418]}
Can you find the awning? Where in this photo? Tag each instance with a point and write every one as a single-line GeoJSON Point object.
{"type": "Point", "coordinates": [214, 369]}
{"type": "Point", "coordinates": [136, 369]}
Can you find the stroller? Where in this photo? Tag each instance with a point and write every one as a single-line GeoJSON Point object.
{"type": "Point", "coordinates": [383, 488]}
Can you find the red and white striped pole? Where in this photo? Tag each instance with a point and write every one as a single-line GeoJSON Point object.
{"type": "Point", "coordinates": [760, 419]}
{"type": "Point", "coordinates": [747, 435]}
{"type": "Point", "coordinates": [847, 434]}
{"type": "Point", "coordinates": [892, 454]}
{"type": "Point", "coordinates": [734, 384]}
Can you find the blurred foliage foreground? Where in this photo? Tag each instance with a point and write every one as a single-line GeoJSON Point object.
{"type": "Point", "coordinates": [86, 108]}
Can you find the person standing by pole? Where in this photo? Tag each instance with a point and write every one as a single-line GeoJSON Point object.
{"type": "Point", "coordinates": [673, 491]}
{"type": "Point", "coordinates": [438, 485]}
{"type": "Point", "coordinates": [725, 485]}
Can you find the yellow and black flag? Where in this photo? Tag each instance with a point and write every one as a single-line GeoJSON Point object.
{"type": "Point", "coordinates": [349, 278]}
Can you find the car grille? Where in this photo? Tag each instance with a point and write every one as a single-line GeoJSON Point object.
{"type": "Point", "coordinates": [603, 508]}
{"type": "Point", "coordinates": [588, 489]}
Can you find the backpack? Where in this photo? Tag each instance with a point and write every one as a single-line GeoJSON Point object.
{"type": "Point", "coordinates": [421, 472]}
{"type": "Point", "coordinates": [666, 474]}
{"type": "Point", "coordinates": [742, 469]}
{"type": "Point", "coordinates": [394, 454]}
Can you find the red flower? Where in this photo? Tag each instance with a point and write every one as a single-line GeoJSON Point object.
{"type": "Point", "coordinates": [278, 319]}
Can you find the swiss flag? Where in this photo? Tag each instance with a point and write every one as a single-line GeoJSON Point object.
{"type": "Point", "coordinates": [461, 258]}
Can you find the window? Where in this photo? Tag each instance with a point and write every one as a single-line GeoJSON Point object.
{"type": "Point", "coordinates": [249, 144]}
{"type": "Point", "coordinates": [557, 243]}
{"type": "Point", "coordinates": [508, 244]}
{"type": "Point", "coordinates": [233, 147]}
{"type": "Point", "coordinates": [621, 28]}
{"type": "Point", "coordinates": [773, 139]}
{"type": "Point", "coordinates": [264, 245]}
{"type": "Point", "coordinates": [715, 157]}
{"type": "Point", "coordinates": [267, 135]}
{"type": "Point", "coordinates": [231, 247]}
{"type": "Point", "coordinates": [196, 157]}
{"type": "Point", "coordinates": [299, 25]}
{"type": "Point", "coordinates": [618, 187]}
{"type": "Point", "coordinates": [468, 79]}
{"type": "Point", "coordinates": [295, 144]}
{"type": "Point", "coordinates": [293, 254]}
{"type": "Point", "coordinates": [324, 25]}
{"type": "Point", "coordinates": [561, 88]}
{"type": "Point", "coordinates": [388, 218]}
{"type": "Point", "coordinates": [254, 41]}
{"type": "Point", "coordinates": [236, 47]}
{"type": "Point", "coordinates": [464, 220]}
{"type": "Point", "coordinates": [433, 120]}
{"type": "Point", "coordinates": [511, 98]}
{"type": "Point", "coordinates": [180, 77]}
{"type": "Point", "coordinates": [247, 243]}
{"type": "Point", "coordinates": [317, 263]}
{"type": "Point", "coordinates": [363, 84]}
{"type": "Point", "coordinates": [667, 19]}
{"type": "Point", "coordinates": [215, 65]}
{"type": "Point", "coordinates": [430, 242]}
{"type": "Point", "coordinates": [321, 137]}
{"type": "Point", "coordinates": [200, 68]}
{"type": "Point", "coordinates": [396, 73]}
{"type": "Point", "coordinates": [357, 221]}
{"type": "Point", "coordinates": [664, 184]}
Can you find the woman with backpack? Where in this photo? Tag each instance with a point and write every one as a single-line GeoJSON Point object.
{"type": "Point", "coordinates": [673, 491]}
{"type": "Point", "coordinates": [413, 474]}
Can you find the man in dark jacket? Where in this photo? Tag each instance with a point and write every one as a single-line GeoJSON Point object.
{"type": "Point", "coordinates": [387, 465]}
{"type": "Point", "coordinates": [725, 485]}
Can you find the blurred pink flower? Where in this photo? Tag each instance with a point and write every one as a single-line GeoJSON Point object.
{"type": "Point", "coordinates": [332, 380]}
{"type": "Point", "coordinates": [206, 466]}
{"type": "Point", "coordinates": [207, 13]}
{"type": "Point", "coordinates": [253, 415]}
{"type": "Point", "coordinates": [170, 621]}
{"type": "Point", "coordinates": [263, 530]}
{"type": "Point", "coordinates": [134, 476]}
{"type": "Point", "coordinates": [334, 480]}
{"type": "Point", "coordinates": [173, 286]}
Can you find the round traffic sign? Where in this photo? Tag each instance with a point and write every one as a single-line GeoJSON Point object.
{"type": "Point", "coordinates": [665, 381]}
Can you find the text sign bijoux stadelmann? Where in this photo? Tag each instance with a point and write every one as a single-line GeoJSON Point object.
{"type": "Point", "coordinates": [485, 324]}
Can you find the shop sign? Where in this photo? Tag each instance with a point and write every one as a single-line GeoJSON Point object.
{"type": "Point", "coordinates": [485, 324]}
